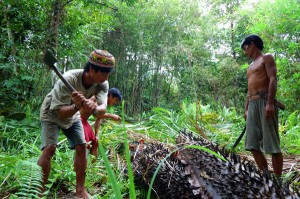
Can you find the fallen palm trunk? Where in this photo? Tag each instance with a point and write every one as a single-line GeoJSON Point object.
{"type": "Point", "coordinates": [192, 173]}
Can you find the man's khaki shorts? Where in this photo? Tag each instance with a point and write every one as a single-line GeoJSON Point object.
{"type": "Point", "coordinates": [261, 132]}
{"type": "Point", "coordinates": [50, 133]}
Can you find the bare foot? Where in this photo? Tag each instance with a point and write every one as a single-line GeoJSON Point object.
{"type": "Point", "coordinates": [81, 193]}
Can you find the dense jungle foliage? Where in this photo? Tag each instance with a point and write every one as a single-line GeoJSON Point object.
{"type": "Point", "coordinates": [179, 66]}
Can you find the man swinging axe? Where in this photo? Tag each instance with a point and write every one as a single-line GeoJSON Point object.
{"type": "Point", "coordinates": [60, 111]}
{"type": "Point", "coordinates": [261, 113]}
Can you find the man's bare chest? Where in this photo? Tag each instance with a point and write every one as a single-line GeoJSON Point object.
{"type": "Point", "coordinates": [256, 68]}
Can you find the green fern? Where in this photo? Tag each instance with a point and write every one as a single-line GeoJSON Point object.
{"type": "Point", "coordinates": [29, 177]}
{"type": "Point", "coordinates": [293, 119]}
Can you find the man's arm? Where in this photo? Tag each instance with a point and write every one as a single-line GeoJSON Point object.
{"type": "Point", "coordinates": [101, 109]}
{"type": "Point", "coordinates": [97, 127]}
{"type": "Point", "coordinates": [69, 110]}
{"type": "Point", "coordinates": [246, 106]}
{"type": "Point", "coordinates": [104, 116]}
{"type": "Point", "coordinates": [81, 102]}
{"type": "Point", "coordinates": [101, 112]}
{"type": "Point", "coordinates": [110, 116]}
{"type": "Point", "coordinates": [271, 70]}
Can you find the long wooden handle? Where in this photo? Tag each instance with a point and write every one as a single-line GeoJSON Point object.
{"type": "Point", "coordinates": [50, 60]}
{"type": "Point", "coordinates": [58, 73]}
{"type": "Point", "coordinates": [70, 87]}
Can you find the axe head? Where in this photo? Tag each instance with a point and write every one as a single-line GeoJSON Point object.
{"type": "Point", "coordinates": [49, 57]}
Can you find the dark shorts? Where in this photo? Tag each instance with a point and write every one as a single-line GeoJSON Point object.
{"type": "Point", "coordinates": [50, 133]}
{"type": "Point", "coordinates": [261, 132]}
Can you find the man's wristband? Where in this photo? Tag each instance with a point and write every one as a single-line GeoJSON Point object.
{"type": "Point", "coordinates": [74, 106]}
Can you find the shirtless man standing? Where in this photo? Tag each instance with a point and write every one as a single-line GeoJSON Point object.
{"type": "Point", "coordinates": [260, 112]}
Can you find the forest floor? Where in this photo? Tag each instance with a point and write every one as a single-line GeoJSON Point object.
{"type": "Point", "coordinates": [290, 163]}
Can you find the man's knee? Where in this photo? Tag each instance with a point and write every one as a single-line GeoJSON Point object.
{"type": "Point", "coordinates": [80, 149]}
{"type": "Point", "coordinates": [49, 151]}
{"type": "Point", "coordinates": [256, 153]}
{"type": "Point", "coordinates": [277, 154]}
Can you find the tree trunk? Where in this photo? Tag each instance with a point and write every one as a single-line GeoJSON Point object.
{"type": "Point", "coordinates": [11, 39]}
{"type": "Point", "coordinates": [55, 19]}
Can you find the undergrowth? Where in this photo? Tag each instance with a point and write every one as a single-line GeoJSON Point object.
{"type": "Point", "coordinates": [109, 177]}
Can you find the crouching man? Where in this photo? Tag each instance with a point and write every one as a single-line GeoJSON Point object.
{"type": "Point", "coordinates": [59, 111]}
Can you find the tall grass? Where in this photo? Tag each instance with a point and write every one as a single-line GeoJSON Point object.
{"type": "Point", "coordinates": [132, 193]}
{"type": "Point", "coordinates": [111, 174]}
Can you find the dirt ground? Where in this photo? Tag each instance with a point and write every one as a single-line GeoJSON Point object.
{"type": "Point", "coordinates": [290, 162]}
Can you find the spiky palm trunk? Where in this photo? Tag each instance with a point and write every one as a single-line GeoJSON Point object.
{"type": "Point", "coordinates": [193, 173]}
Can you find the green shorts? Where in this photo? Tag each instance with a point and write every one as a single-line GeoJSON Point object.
{"type": "Point", "coordinates": [50, 133]}
{"type": "Point", "coordinates": [261, 132]}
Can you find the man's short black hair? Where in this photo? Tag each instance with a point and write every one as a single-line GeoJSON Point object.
{"type": "Point", "coordinates": [115, 93]}
{"type": "Point", "coordinates": [96, 68]}
{"type": "Point", "coordinates": [258, 42]}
